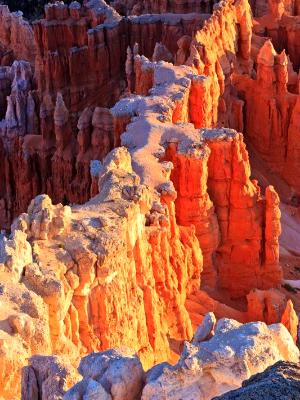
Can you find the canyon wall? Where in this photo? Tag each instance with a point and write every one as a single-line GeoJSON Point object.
{"type": "Point", "coordinates": [16, 37]}
{"type": "Point", "coordinates": [119, 269]}
{"type": "Point", "coordinates": [167, 200]}
{"type": "Point", "coordinates": [69, 41]}
{"type": "Point", "coordinates": [272, 113]}
{"type": "Point", "coordinates": [41, 151]}
{"type": "Point", "coordinates": [270, 93]}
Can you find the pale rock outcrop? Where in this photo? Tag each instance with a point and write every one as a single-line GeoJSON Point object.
{"type": "Point", "coordinates": [206, 329]}
{"type": "Point", "coordinates": [222, 363]}
{"type": "Point", "coordinates": [43, 220]}
{"type": "Point", "coordinates": [114, 374]}
{"type": "Point", "coordinates": [161, 53]}
{"type": "Point", "coordinates": [15, 253]}
{"type": "Point", "coordinates": [24, 331]}
{"type": "Point", "coordinates": [206, 369]}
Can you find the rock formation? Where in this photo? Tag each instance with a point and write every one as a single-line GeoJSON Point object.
{"type": "Point", "coordinates": [204, 370]}
{"type": "Point", "coordinates": [130, 209]}
{"type": "Point", "coordinates": [140, 216]}
{"type": "Point", "coordinates": [280, 381]}
{"type": "Point", "coordinates": [47, 378]}
{"type": "Point", "coordinates": [209, 369]}
{"type": "Point", "coordinates": [273, 114]}
{"type": "Point", "coordinates": [16, 35]}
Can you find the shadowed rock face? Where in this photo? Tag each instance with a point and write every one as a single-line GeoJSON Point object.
{"type": "Point", "coordinates": [281, 381]}
{"type": "Point", "coordinates": [138, 7]}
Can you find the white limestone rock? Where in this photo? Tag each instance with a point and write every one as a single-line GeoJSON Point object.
{"type": "Point", "coordinates": [113, 374]}
{"type": "Point", "coordinates": [206, 329]}
{"type": "Point", "coordinates": [222, 363]}
{"type": "Point", "coordinates": [43, 220]}
{"type": "Point", "coordinates": [15, 252]}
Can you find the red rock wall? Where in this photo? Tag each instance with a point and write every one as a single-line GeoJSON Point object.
{"type": "Point", "coordinates": [64, 42]}
{"type": "Point", "coordinates": [85, 63]}
{"type": "Point", "coordinates": [223, 42]}
{"type": "Point", "coordinates": [54, 162]}
{"type": "Point", "coordinates": [16, 35]}
{"type": "Point", "coordinates": [246, 254]}
{"type": "Point", "coordinates": [68, 38]}
{"type": "Point", "coordinates": [272, 113]}
{"type": "Point", "coordinates": [147, 30]}
{"type": "Point", "coordinates": [276, 7]}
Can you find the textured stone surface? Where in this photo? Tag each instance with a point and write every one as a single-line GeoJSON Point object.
{"type": "Point", "coordinates": [212, 368]}
{"type": "Point", "coordinates": [153, 6]}
{"type": "Point", "coordinates": [204, 370]}
{"type": "Point", "coordinates": [114, 374]}
{"type": "Point", "coordinates": [47, 378]}
{"type": "Point", "coordinates": [16, 35]}
{"type": "Point", "coordinates": [272, 112]}
{"type": "Point", "coordinates": [280, 381]}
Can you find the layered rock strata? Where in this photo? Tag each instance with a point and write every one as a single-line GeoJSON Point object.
{"type": "Point", "coordinates": [137, 239]}
{"type": "Point", "coordinates": [73, 39]}
{"type": "Point", "coordinates": [230, 190]}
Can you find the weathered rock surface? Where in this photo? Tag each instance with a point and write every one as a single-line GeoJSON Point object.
{"type": "Point", "coordinates": [16, 36]}
{"type": "Point", "coordinates": [204, 370]}
{"type": "Point", "coordinates": [280, 381]}
{"type": "Point", "coordinates": [113, 374]}
{"type": "Point", "coordinates": [272, 113]}
{"type": "Point", "coordinates": [47, 378]}
{"type": "Point", "coordinates": [213, 368]}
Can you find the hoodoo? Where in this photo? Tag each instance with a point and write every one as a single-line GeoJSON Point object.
{"type": "Point", "coordinates": [149, 205]}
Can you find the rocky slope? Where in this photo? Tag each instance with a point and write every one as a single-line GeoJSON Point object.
{"type": "Point", "coordinates": [205, 368]}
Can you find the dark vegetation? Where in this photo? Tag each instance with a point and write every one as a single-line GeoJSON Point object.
{"type": "Point", "coordinates": [289, 288]}
{"type": "Point", "coordinates": [31, 9]}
